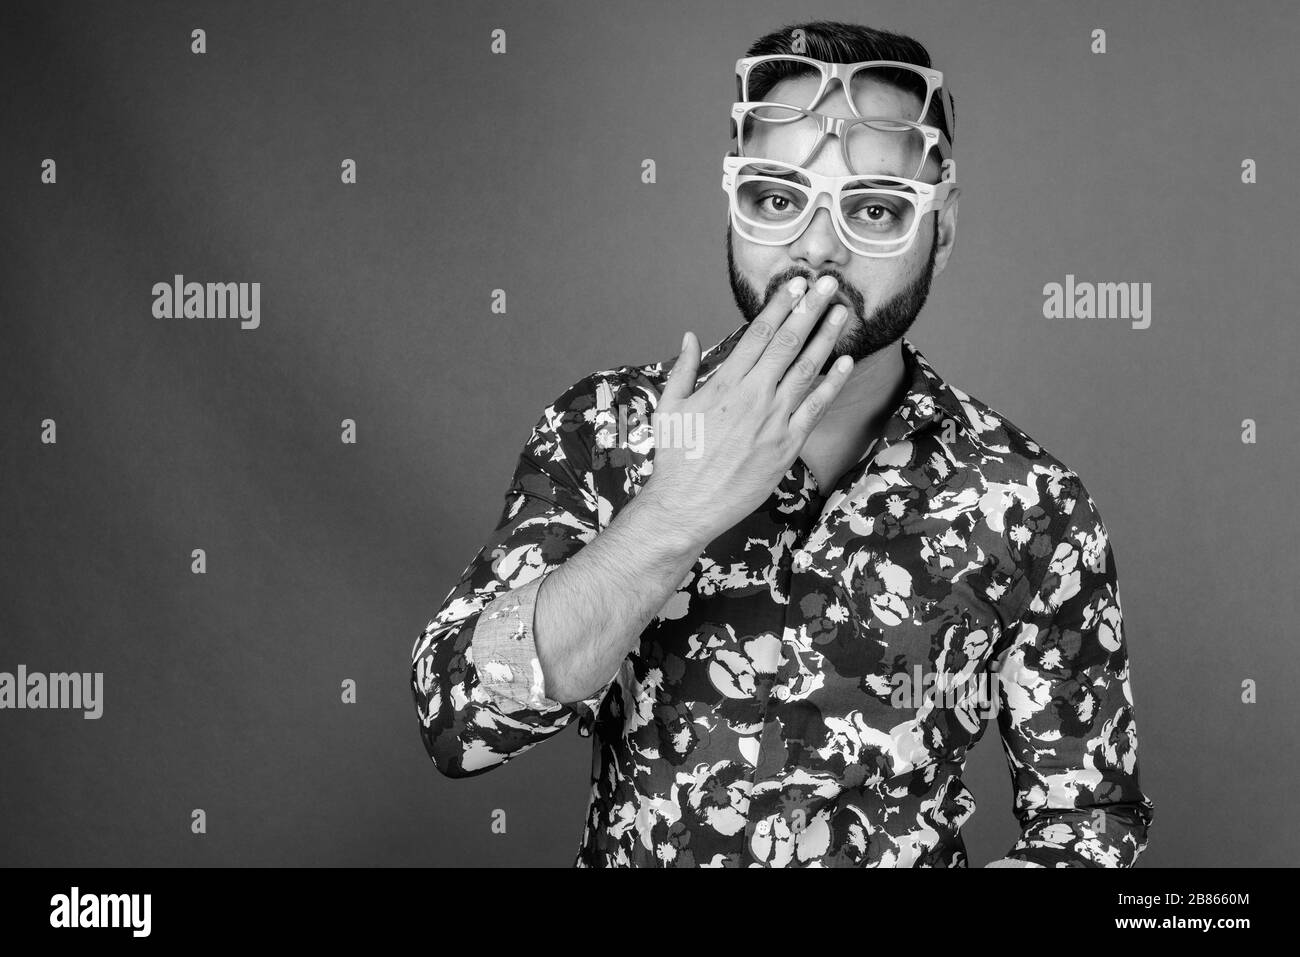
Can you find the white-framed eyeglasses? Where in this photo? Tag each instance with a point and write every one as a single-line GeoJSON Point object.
{"type": "Point", "coordinates": [857, 80]}
{"type": "Point", "coordinates": [868, 144]}
{"type": "Point", "coordinates": [772, 202]}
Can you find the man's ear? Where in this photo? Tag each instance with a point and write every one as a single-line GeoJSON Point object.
{"type": "Point", "coordinates": [946, 229]}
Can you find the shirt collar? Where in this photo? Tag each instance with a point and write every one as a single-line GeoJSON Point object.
{"type": "Point", "coordinates": [928, 400]}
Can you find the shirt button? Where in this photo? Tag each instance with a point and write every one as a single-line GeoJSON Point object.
{"type": "Point", "coordinates": [782, 692]}
{"type": "Point", "coordinates": [802, 560]}
{"type": "Point", "coordinates": [763, 827]}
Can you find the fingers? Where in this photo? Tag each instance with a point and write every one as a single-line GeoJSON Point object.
{"type": "Point", "coordinates": [794, 385]}
{"type": "Point", "coordinates": [789, 338]}
{"type": "Point", "coordinates": [682, 376]}
{"type": "Point", "coordinates": [815, 404]}
{"type": "Point", "coordinates": [760, 331]}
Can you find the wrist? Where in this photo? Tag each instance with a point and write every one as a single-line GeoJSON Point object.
{"type": "Point", "coordinates": [659, 522]}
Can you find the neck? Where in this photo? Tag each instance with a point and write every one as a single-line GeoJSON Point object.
{"type": "Point", "coordinates": [871, 394]}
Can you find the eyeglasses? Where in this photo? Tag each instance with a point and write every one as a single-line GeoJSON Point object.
{"type": "Point", "coordinates": [859, 81]}
{"type": "Point", "coordinates": [772, 203]}
{"type": "Point", "coordinates": [868, 145]}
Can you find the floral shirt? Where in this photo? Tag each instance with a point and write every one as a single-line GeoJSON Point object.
{"type": "Point", "coordinates": [808, 695]}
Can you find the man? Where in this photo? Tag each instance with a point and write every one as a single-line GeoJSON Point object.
{"type": "Point", "coordinates": [788, 613]}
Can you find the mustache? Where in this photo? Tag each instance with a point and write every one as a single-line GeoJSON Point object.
{"type": "Point", "coordinates": [845, 288]}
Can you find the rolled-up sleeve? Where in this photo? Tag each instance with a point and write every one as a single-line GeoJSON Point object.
{"type": "Point", "coordinates": [1066, 712]}
{"type": "Point", "coordinates": [506, 655]}
{"type": "Point", "coordinates": [479, 689]}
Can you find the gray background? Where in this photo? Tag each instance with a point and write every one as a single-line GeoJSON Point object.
{"type": "Point", "coordinates": [522, 172]}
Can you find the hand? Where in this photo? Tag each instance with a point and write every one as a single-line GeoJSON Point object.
{"type": "Point", "coordinates": [720, 452]}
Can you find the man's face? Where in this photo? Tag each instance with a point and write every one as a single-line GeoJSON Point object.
{"type": "Point", "coordinates": [884, 296]}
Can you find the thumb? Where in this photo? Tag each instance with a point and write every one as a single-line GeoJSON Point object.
{"type": "Point", "coordinates": [681, 380]}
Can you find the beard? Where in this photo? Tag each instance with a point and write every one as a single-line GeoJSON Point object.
{"type": "Point", "coordinates": [863, 335]}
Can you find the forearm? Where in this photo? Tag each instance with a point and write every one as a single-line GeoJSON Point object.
{"type": "Point", "coordinates": [591, 610]}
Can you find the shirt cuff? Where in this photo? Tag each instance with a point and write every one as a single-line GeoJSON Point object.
{"type": "Point", "coordinates": [505, 655]}
{"type": "Point", "coordinates": [1011, 862]}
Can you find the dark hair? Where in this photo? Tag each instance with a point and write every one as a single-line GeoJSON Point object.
{"type": "Point", "coordinates": [836, 42]}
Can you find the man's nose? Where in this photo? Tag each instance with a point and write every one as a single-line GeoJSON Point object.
{"type": "Point", "coordinates": [820, 244]}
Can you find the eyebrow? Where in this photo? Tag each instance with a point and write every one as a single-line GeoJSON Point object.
{"type": "Point", "coordinates": [773, 172]}
{"type": "Point", "coordinates": [872, 181]}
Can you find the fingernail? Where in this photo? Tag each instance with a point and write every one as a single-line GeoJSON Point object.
{"type": "Point", "coordinates": [837, 315]}
{"type": "Point", "coordinates": [826, 284]}
{"type": "Point", "coordinates": [686, 337]}
{"type": "Point", "coordinates": [797, 285]}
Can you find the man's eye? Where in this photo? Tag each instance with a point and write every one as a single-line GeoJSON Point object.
{"type": "Point", "coordinates": [776, 203]}
{"type": "Point", "coordinates": [875, 213]}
